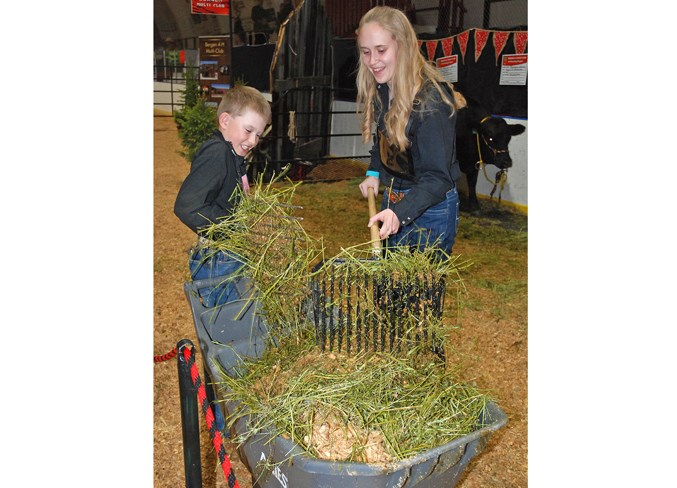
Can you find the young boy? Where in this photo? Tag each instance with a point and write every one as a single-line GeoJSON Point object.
{"type": "Point", "coordinates": [218, 168]}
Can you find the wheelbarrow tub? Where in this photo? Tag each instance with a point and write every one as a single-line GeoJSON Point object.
{"type": "Point", "coordinates": [230, 333]}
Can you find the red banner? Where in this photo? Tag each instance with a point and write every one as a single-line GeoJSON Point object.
{"type": "Point", "coordinates": [500, 38]}
{"type": "Point", "coordinates": [446, 45]}
{"type": "Point", "coordinates": [520, 41]}
{"type": "Point", "coordinates": [462, 39]}
{"type": "Point", "coordinates": [481, 37]}
{"type": "Point", "coordinates": [213, 7]}
{"type": "Point", "coordinates": [431, 46]}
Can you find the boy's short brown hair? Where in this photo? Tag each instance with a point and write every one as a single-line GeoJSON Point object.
{"type": "Point", "coordinates": [238, 99]}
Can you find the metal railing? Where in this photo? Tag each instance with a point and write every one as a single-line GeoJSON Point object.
{"type": "Point", "coordinates": [261, 159]}
{"type": "Point", "coordinates": [172, 95]}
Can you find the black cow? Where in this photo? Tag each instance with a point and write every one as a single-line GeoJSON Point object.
{"type": "Point", "coordinates": [476, 126]}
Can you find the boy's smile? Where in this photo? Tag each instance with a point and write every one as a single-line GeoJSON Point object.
{"type": "Point", "coordinates": [242, 131]}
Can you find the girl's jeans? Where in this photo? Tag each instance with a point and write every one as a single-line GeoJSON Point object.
{"type": "Point", "coordinates": [436, 226]}
{"type": "Point", "coordinates": [205, 263]}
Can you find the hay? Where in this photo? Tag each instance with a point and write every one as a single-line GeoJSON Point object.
{"type": "Point", "coordinates": [275, 249]}
{"type": "Point", "coordinates": [374, 407]}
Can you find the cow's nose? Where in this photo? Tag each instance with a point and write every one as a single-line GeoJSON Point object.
{"type": "Point", "coordinates": [503, 161]}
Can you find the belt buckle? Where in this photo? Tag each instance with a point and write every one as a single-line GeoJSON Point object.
{"type": "Point", "coordinates": [395, 196]}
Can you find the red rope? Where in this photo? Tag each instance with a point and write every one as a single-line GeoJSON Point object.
{"type": "Point", "coordinates": [215, 434]}
{"type": "Point", "coordinates": [165, 357]}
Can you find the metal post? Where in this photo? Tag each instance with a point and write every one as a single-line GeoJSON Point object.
{"type": "Point", "coordinates": [189, 419]}
{"type": "Point", "coordinates": [209, 390]}
{"type": "Point", "coordinates": [171, 89]}
{"type": "Point", "coordinates": [486, 14]}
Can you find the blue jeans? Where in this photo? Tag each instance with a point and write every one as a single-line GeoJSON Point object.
{"type": "Point", "coordinates": [205, 263]}
{"type": "Point", "coordinates": [436, 226]}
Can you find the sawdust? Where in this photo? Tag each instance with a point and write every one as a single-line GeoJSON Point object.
{"type": "Point", "coordinates": [335, 439]}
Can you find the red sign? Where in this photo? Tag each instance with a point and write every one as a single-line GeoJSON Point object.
{"type": "Point", "coordinates": [514, 59]}
{"type": "Point", "coordinates": [210, 7]}
{"type": "Point", "coordinates": [447, 61]}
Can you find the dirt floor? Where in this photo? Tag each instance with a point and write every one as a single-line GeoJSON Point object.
{"type": "Point", "coordinates": [493, 338]}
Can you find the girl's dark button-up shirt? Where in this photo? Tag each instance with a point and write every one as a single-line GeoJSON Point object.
{"type": "Point", "coordinates": [432, 133]}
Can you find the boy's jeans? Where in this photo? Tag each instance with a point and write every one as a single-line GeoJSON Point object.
{"type": "Point", "coordinates": [205, 263]}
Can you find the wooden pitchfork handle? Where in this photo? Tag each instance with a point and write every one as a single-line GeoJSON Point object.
{"type": "Point", "coordinates": [375, 237]}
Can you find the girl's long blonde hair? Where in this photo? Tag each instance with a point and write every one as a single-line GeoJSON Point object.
{"type": "Point", "coordinates": [411, 72]}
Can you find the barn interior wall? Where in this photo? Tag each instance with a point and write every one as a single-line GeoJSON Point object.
{"type": "Point", "coordinates": [504, 15]}
{"type": "Point", "coordinates": [349, 123]}
{"type": "Point", "coordinates": [174, 20]}
{"type": "Point", "coordinates": [180, 24]}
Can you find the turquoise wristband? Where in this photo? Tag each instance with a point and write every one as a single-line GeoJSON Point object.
{"type": "Point", "coordinates": [372, 173]}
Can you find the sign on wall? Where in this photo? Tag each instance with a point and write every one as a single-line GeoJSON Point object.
{"type": "Point", "coordinates": [210, 7]}
{"type": "Point", "coordinates": [448, 66]}
{"type": "Point", "coordinates": [215, 61]}
{"type": "Point", "coordinates": [514, 69]}
{"type": "Point", "coordinates": [491, 67]}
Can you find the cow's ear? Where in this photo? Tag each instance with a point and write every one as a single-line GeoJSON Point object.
{"type": "Point", "coordinates": [516, 129]}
